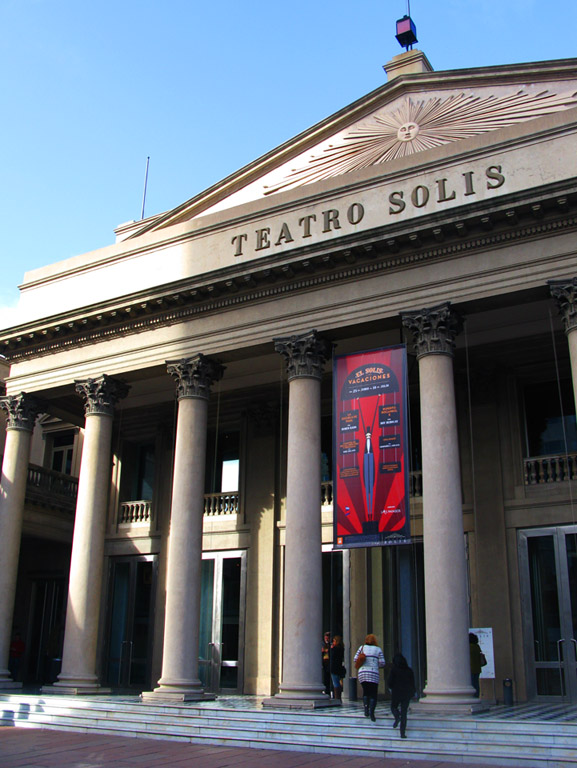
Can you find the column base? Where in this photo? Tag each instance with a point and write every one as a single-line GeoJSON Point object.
{"type": "Point", "coordinates": [449, 705]}
{"type": "Point", "coordinates": [175, 695]}
{"type": "Point", "coordinates": [300, 697]}
{"type": "Point", "coordinates": [61, 689]}
{"type": "Point", "coordinates": [9, 685]}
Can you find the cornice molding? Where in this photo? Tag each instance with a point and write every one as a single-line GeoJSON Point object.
{"type": "Point", "coordinates": [308, 272]}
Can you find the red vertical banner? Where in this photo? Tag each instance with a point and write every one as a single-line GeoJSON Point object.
{"type": "Point", "coordinates": [370, 450]}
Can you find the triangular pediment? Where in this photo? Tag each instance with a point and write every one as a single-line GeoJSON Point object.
{"type": "Point", "coordinates": [408, 116]}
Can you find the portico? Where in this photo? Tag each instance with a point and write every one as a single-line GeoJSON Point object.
{"type": "Point", "coordinates": [458, 245]}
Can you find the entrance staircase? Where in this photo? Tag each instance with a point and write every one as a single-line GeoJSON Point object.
{"type": "Point", "coordinates": [543, 736]}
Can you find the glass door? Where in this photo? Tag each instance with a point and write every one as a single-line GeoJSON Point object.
{"type": "Point", "coordinates": [222, 621]}
{"type": "Point", "coordinates": [548, 563]}
{"type": "Point", "coordinates": [131, 596]}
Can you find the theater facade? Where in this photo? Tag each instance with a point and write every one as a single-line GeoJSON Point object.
{"type": "Point", "coordinates": [166, 515]}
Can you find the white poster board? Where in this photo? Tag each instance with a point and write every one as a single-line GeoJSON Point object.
{"type": "Point", "coordinates": [485, 635]}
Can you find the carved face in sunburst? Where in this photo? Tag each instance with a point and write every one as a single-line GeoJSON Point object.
{"type": "Point", "coordinates": [407, 131]}
{"type": "Point", "coordinates": [416, 126]}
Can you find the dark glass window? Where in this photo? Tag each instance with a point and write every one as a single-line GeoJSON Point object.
{"type": "Point", "coordinates": [550, 418]}
{"type": "Point", "coordinates": [62, 451]}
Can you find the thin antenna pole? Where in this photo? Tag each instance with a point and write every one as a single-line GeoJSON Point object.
{"type": "Point", "coordinates": [408, 7]}
{"type": "Point", "coordinates": [145, 184]}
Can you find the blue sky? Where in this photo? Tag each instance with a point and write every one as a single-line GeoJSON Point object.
{"type": "Point", "coordinates": [89, 90]}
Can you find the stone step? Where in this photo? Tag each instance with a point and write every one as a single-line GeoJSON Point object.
{"type": "Point", "coordinates": [344, 730]}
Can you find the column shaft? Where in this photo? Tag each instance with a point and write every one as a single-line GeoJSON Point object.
{"type": "Point", "coordinates": [302, 684]}
{"type": "Point", "coordinates": [302, 669]}
{"type": "Point", "coordinates": [12, 493]}
{"type": "Point", "coordinates": [180, 680]}
{"type": "Point", "coordinates": [183, 581]}
{"type": "Point", "coordinates": [79, 660]}
{"type": "Point", "coordinates": [448, 668]}
{"type": "Point", "coordinates": [79, 655]}
{"type": "Point", "coordinates": [446, 599]}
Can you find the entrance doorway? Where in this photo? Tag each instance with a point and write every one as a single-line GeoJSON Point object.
{"type": "Point", "coordinates": [221, 646]}
{"type": "Point", "coordinates": [132, 586]}
{"type": "Point", "coordinates": [548, 566]}
{"type": "Point", "coordinates": [45, 629]}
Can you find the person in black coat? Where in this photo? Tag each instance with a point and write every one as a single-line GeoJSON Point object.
{"type": "Point", "coordinates": [337, 657]}
{"type": "Point", "coordinates": [401, 683]}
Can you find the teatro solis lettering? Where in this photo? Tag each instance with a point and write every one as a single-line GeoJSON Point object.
{"type": "Point", "coordinates": [420, 195]}
{"type": "Point", "coordinates": [440, 191]}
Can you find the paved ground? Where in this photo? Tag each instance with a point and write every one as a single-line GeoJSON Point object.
{"type": "Point", "coordinates": [37, 748]}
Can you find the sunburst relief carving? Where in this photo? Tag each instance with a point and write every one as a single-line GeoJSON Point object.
{"type": "Point", "coordinates": [419, 125]}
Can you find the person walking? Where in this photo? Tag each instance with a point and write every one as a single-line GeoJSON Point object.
{"type": "Point", "coordinates": [401, 683]}
{"type": "Point", "coordinates": [370, 659]}
{"type": "Point", "coordinates": [338, 671]}
{"type": "Point", "coordinates": [477, 660]}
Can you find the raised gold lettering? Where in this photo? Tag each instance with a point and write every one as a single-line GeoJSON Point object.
{"type": "Point", "coordinates": [396, 199]}
{"type": "Point", "coordinates": [331, 220]}
{"type": "Point", "coordinates": [285, 235]}
{"type": "Point", "coordinates": [305, 223]}
{"type": "Point", "coordinates": [262, 238]}
{"type": "Point", "coordinates": [355, 213]}
{"type": "Point", "coordinates": [442, 188]}
{"type": "Point", "coordinates": [469, 190]}
{"type": "Point", "coordinates": [239, 239]}
{"type": "Point", "coordinates": [493, 173]}
{"type": "Point", "coordinates": [424, 197]}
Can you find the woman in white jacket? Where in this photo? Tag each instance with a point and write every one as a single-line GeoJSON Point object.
{"type": "Point", "coordinates": [368, 673]}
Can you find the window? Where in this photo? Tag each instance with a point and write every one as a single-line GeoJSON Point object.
{"type": "Point", "coordinates": [550, 418]}
{"type": "Point", "coordinates": [138, 472]}
{"type": "Point", "coordinates": [62, 452]}
{"type": "Point", "coordinates": [222, 462]}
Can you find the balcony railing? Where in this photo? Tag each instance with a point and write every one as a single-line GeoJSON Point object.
{"type": "Point", "coordinates": [133, 512]}
{"type": "Point", "coordinates": [45, 486]}
{"type": "Point", "coordinates": [221, 504]}
{"type": "Point", "coordinates": [540, 470]}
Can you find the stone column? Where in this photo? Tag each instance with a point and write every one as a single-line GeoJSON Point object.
{"type": "Point", "coordinates": [446, 599]}
{"type": "Point", "coordinates": [302, 684]}
{"type": "Point", "coordinates": [79, 656]}
{"type": "Point", "coordinates": [180, 680]}
{"type": "Point", "coordinates": [565, 294]}
{"type": "Point", "coordinates": [22, 411]}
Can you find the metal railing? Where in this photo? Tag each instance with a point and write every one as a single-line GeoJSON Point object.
{"type": "Point", "coordinates": [539, 470]}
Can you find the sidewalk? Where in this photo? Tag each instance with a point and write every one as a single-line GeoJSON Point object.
{"type": "Point", "coordinates": [38, 748]}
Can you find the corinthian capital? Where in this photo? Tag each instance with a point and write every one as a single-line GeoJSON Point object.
{"type": "Point", "coordinates": [195, 375]}
{"type": "Point", "coordinates": [565, 294]}
{"type": "Point", "coordinates": [305, 355]}
{"type": "Point", "coordinates": [101, 394]}
{"type": "Point", "coordinates": [22, 410]}
{"type": "Point", "coordinates": [434, 329]}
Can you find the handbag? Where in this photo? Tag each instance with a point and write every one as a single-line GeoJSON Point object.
{"type": "Point", "coordinates": [360, 660]}
{"type": "Point", "coordinates": [483, 660]}
{"type": "Point", "coordinates": [343, 672]}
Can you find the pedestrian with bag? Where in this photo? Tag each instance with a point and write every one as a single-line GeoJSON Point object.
{"type": "Point", "coordinates": [369, 659]}
{"type": "Point", "coordinates": [401, 683]}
